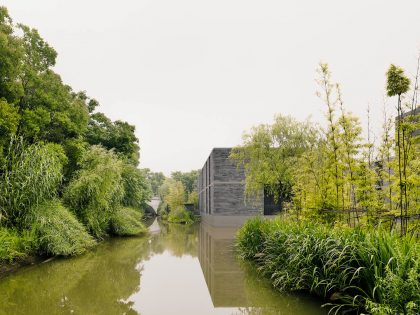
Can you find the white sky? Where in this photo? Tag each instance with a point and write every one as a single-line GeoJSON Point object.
{"type": "Point", "coordinates": [193, 74]}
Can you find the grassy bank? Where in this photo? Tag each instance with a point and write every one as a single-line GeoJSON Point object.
{"type": "Point", "coordinates": [352, 269]}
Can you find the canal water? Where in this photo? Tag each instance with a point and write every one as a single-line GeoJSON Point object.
{"type": "Point", "coordinates": [176, 269]}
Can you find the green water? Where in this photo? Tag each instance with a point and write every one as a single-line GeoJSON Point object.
{"type": "Point", "coordinates": [175, 270]}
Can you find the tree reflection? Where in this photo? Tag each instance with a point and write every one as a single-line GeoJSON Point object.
{"type": "Point", "coordinates": [99, 282]}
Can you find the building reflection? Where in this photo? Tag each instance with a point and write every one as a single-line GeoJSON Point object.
{"type": "Point", "coordinates": [233, 283]}
{"type": "Point", "coordinates": [224, 277]}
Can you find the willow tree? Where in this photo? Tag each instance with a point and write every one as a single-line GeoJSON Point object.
{"type": "Point", "coordinates": [270, 156]}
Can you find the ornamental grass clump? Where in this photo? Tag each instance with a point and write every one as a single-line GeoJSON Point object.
{"type": "Point", "coordinates": [127, 222]}
{"type": "Point", "coordinates": [95, 193]}
{"type": "Point", "coordinates": [58, 232]}
{"type": "Point", "coordinates": [353, 269]}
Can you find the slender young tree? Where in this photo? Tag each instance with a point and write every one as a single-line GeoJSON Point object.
{"type": "Point", "coordinates": [350, 138]}
{"type": "Point", "coordinates": [332, 134]}
{"type": "Point", "coordinates": [385, 158]}
{"type": "Point", "coordinates": [397, 85]}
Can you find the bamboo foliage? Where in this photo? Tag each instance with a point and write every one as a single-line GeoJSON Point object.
{"type": "Point", "coordinates": [333, 172]}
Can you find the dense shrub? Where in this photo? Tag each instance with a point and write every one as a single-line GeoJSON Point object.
{"type": "Point", "coordinates": [31, 175]}
{"type": "Point", "coordinates": [363, 270]}
{"type": "Point", "coordinates": [58, 232]}
{"type": "Point", "coordinates": [180, 215]}
{"type": "Point", "coordinates": [126, 222]}
{"type": "Point", "coordinates": [14, 245]}
{"type": "Point", "coordinates": [96, 190]}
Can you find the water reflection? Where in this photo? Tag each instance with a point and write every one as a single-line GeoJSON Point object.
{"type": "Point", "coordinates": [235, 284]}
{"type": "Point", "coordinates": [99, 282]}
{"type": "Point", "coordinates": [158, 274]}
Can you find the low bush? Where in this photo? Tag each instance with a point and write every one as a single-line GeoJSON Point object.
{"type": "Point", "coordinates": [15, 245]}
{"type": "Point", "coordinates": [180, 215]}
{"type": "Point", "coordinates": [126, 222]}
{"type": "Point", "coordinates": [372, 271]}
{"type": "Point", "coordinates": [58, 232]}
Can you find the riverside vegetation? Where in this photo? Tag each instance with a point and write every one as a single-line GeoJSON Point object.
{"type": "Point", "coordinates": [175, 192]}
{"type": "Point", "coordinates": [349, 230]}
{"type": "Point", "coordinates": [68, 174]}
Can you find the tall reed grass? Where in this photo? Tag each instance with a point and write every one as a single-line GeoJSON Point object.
{"type": "Point", "coordinates": [30, 175]}
{"type": "Point", "coordinates": [353, 269]}
{"type": "Point", "coordinates": [58, 232]}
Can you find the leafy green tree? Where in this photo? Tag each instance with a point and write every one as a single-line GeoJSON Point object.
{"type": "Point", "coordinates": [9, 121]}
{"type": "Point", "coordinates": [116, 135]}
{"type": "Point", "coordinates": [188, 179]}
{"type": "Point", "coordinates": [155, 179]}
{"type": "Point", "coordinates": [269, 155]}
{"type": "Point", "coordinates": [137, 190]}
{"type": "Point", "coordinates": [176, 195]}
{"type": "Point", "coordinates": [10, 59]}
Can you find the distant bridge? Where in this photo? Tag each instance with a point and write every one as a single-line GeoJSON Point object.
{"type": "Point", "coordinates": [154, 203]}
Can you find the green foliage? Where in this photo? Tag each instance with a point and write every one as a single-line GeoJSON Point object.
{"type": "Point", "coordinates": [180, 215]}
{"type": "Point", "coordinates": [117, 135]}
{"type": "Point", "coordinates": [176, 195]}
{"type": "Point", "coordinates": [9, 121]}
{"type": "Point", "coordinates": [193, 198]}
{"type": "Point", "coordinates": [45, 132]}
{"type": "Point", "coordinates": [58, 232]}
{"type": "Point", "coordinates": [127, 222]}
{"type": "Point", "coordinates": [137, 190]}
{"type": "Point", "coordinates": [95, 192]}
{"type": "Point", "coordinates": [353, 268]}
{"type": "Point", "coordinates": [189, 180]}
{"type": "Point", "coordinates": [397, 82]}
{"type": "Point", "coordinates": [155, 179]}
{"type": "Point", "coordinates": [163, 210]}
{"type": "Point", "coordinates": [14, 244]}
{"type": "Point", "coordinates": [269, 155]}
{"type": "Point", "coordinates": [31, 175]}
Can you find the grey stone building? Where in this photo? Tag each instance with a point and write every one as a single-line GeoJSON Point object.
{"type": "Point", "coordinates": [221, 187]}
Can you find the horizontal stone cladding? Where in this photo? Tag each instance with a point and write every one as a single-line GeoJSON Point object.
{"type": "Point", "coordinates": [228, 199]}
{"type": "Point", "coordinates": [221, 187]}
{"type": "Point", "coordinates": [224, 169]}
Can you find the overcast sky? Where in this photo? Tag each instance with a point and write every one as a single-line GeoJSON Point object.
{"type": "Point", "coordinates": [192, 74]}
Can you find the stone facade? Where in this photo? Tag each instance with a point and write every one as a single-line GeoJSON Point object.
{"type": "Point", "coordinates": [221, 186]}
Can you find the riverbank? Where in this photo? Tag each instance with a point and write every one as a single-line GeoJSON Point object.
{"type": "Point", "coordinates": [353, 269]}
